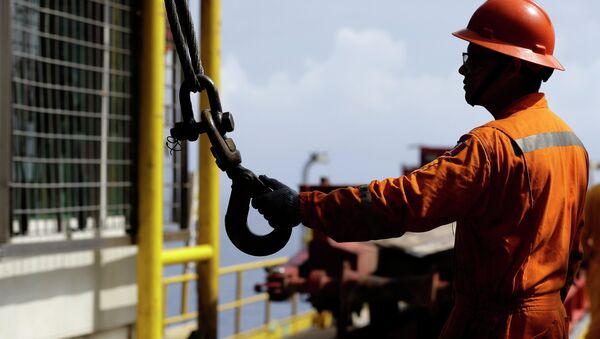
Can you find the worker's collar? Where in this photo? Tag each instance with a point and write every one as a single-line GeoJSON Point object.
{"type": "Point", "coordinates": [529, 101]}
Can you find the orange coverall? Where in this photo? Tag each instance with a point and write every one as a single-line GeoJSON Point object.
{"type": "Point", "coordinates": [516, 187]}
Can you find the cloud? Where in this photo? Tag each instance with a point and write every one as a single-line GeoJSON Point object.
{"type": "Point", "coordinates": [362, 70]}
{"type": "Point", "coordinates": [359, 104]}
{"type": "Point", "coordinates": [367, 95]}
{"type": "Point", "coordinates": [363, 105]}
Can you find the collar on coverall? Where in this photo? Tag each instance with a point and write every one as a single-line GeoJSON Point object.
{"type": "Point", "coordinates": [529, 101]}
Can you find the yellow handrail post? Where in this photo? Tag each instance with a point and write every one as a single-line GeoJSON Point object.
{"type": "Point", "coordinates": [185, 286]}
{"type": "Point", "coordinates": [208, 219]}
{"type": "Point", "coordinates": [239, 282]}
{"type": "Point", "coordinates": [150, 173]}
{"type": "Point", "coordinates": [267, 311]}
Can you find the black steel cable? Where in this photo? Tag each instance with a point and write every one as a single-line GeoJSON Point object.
{"type": "Point", "coordinates": [185, 41]}
{"type": "Point", "coordinates": [184, 38]}
{"type": "Point", "coordinates": [245, 184]}
{"type": "Point", "coordinates": [187, 23]}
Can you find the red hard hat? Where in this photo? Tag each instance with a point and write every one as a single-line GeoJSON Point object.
{"type": "Point", "coordinates": [519, 28]}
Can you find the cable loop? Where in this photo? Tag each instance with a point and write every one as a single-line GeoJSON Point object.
{"type": "Point", "coordinates": [215, 124]}
{"type": "Point", "coordinates": [182, 27]}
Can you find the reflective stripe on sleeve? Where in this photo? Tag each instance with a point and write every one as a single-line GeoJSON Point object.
{"type": "Point", "coordinates": [365, 204]}
{"type": "Point", "coordinates": [549, 139]}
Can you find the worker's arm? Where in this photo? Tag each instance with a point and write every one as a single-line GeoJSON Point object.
{"type": "Point", "coordinates": [582, 244]}
{"type": "Point", "coordinates": [591, 221]}
{"type": "Point", "coordinates": [575, 259]}
{"type": "Point", "coordinates": [440, 192]}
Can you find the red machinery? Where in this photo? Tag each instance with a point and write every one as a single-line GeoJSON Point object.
{"type": "Point", "coordinates": [403, 281]}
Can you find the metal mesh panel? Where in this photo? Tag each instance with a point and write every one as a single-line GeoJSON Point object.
{"type": "Point", "coordinates": [72, 150]}
{"type": "Point", "coordinates": [177, 185]}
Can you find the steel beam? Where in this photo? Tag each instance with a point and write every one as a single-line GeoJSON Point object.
{"type": "Point", "coordinates": [5, 120]}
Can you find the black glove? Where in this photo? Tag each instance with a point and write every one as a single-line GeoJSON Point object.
{"type": "Point", "coordinates": [280, 207]}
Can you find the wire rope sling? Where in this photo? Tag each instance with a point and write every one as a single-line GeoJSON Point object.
{"type": "Point", "coordinates": [216, 123]}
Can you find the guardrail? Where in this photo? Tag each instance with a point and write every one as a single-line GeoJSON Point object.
{"type": "Point", "coordinates": [237, 303]}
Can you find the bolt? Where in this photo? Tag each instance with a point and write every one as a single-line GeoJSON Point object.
{"type": "Point", "coordinates": [227, 124]}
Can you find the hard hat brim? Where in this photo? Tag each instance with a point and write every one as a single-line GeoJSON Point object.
{"type": "Point", "coordinates": [511, 50]}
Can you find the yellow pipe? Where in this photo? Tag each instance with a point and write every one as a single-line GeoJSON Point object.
{"type": "Point", "coordinates": [253, 265]}
{"type": "Point", "coordinates": [208, 219]}
{"type": "Point", "coordinates": [228, 270]}
{"type": "Point", "coordinates": [150, 173]}
{"type": "Point", "coordinates": [238, 296]}
{"type": "Point", "coordinates": [180, 318]}
{"type": "Point", "coordinates": [245, 301]}
{"type": "Point", "coordinates": [186, 254]}
{"type": "Point", "coordinates": [267, 311]}
{"type": "Point", "coordinates": [180, 278]}
{"type": "Point", "coordinates": [185, 297]}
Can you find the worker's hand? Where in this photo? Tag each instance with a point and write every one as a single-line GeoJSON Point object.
{"type": "Point", "coordinates": [280, 207]}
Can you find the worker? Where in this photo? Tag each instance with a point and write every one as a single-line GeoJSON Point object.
{"type": "Point", "coordinates": [590, 240]}
{"type": "Point", "coordinates": [515, 186]}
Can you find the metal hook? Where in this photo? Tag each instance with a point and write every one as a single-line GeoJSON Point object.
{"type": "Point", "coordinates": [245, 184]}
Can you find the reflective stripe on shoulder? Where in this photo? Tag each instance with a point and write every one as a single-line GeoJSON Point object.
{"type": "Point", "coordinates": [548, 139]}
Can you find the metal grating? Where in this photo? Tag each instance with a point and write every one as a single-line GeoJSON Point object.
{"type": "Point", "coordinates": [72, 146]}
{"type": "Point", "coordinates": [176, 179]}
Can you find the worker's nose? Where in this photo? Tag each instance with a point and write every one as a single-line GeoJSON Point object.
{"type": "Point", "coordinates": [462, 70]}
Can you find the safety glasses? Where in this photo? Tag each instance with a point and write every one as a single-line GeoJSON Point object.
{"type": "Point", "coordinates": [466, 56]}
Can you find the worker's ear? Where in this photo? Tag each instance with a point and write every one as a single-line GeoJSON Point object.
{"type": "Point", "coordinates": [513, 69]}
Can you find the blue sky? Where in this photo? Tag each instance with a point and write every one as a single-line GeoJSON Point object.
{"type": "Point", "coordinates": [367, 81]}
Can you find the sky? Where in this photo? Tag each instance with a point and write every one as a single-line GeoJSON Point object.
{"type": "Point", "coordinates": [366, 82]}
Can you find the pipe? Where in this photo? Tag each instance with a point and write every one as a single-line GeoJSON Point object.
{"type": "Point", "coordinates": [208, 219]}
{"type": "Point", "coordinates": [149, 323]}
{"type": "Point", "coordinates": [186, 254]}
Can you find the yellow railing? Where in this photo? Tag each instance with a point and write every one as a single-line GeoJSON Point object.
{"type": "Point", "coordinates": [183, 255]}
{"type": "Point", "coordinates": [151, 256]}
{"type": "Point", "coordinates": [239, 300]}
{"type": "Point", "coordinates": [150, 172]}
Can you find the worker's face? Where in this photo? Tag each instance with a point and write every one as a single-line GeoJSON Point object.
{"type": "Point", "coordinates": [479, 63]}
